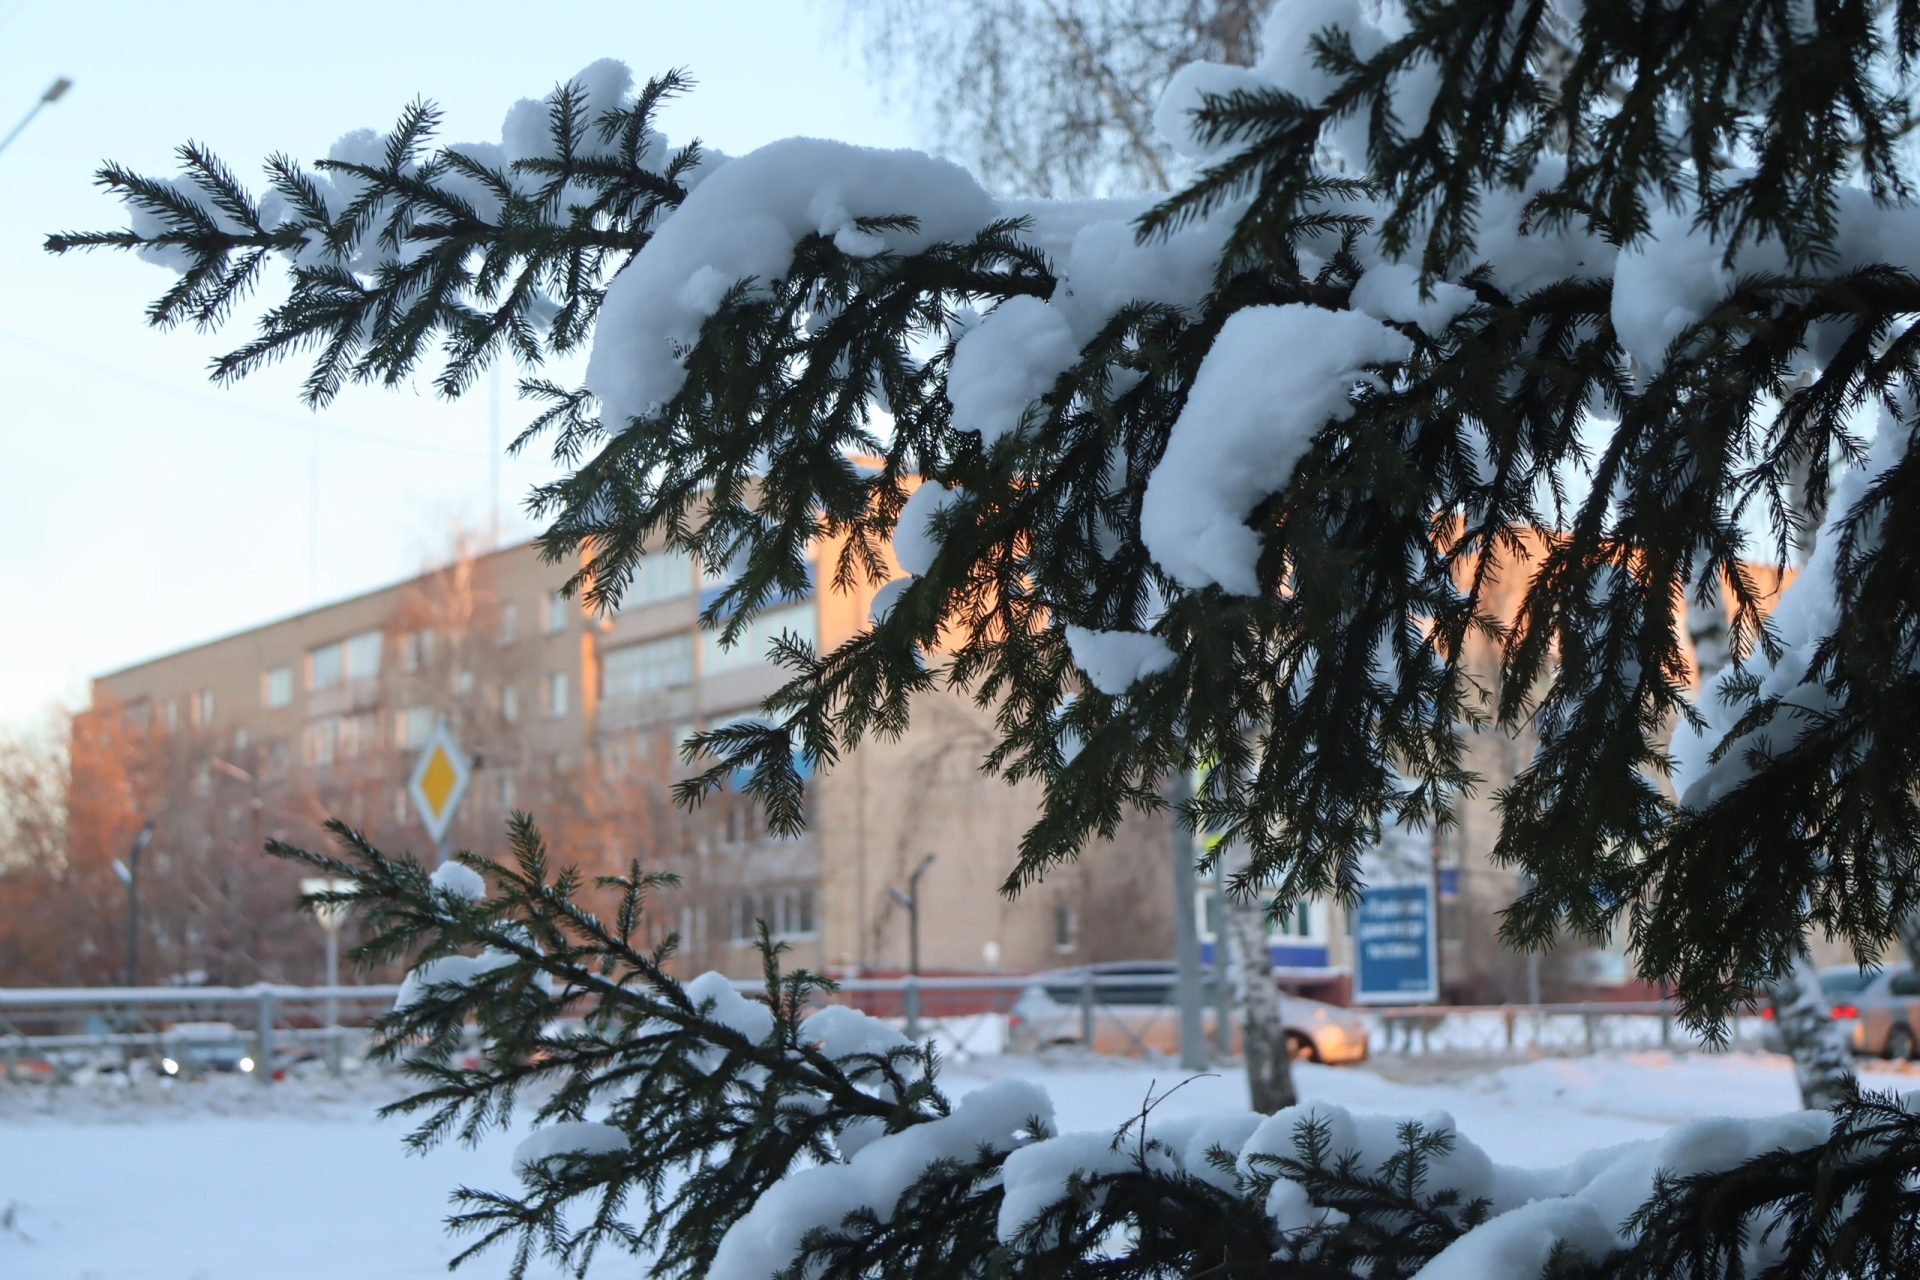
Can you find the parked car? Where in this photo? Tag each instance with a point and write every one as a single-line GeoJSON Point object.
{"type": "Point", "coordinates": [1882, 1008]}
{"type": "Point", "coordinates": [1878, 1011]}
{"type": "Point", "coordinates": [190, 1049]}
{"type": "Point", "coordinates": [1134, 1011]}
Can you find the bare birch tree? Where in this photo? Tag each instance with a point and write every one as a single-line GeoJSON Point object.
{"type": "Point", "coordinates": [1053, 97]}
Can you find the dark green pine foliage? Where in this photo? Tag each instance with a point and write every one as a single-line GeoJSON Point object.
{"type": "Point", "coordinates": [537, 1001]}
{"type": "Point", "coordinates": [1757, 112]}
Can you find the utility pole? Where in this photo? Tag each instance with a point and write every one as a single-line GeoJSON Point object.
{"type": "Point", "coordinates": [129, 873]}
{"type": "Point", "coordinates": [1186, 940]}
{"type": "Point", "coordinates": [493, 449]}
{"type": "Point", "coordinates": [54, 93]}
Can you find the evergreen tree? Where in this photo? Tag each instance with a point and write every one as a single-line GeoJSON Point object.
{"type": "Point", "coordinates": [1599, 281]}
{"type": "Point", "coordinates": [743, 1135]}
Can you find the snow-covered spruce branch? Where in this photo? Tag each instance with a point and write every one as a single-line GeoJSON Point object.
{"type": "Point", "coordinates": [732, 1138]}
{"type": "Point", "coordinates": [1579, 297]}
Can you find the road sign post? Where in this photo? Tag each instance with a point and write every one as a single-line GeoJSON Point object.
{"type": "Point", "coordinates": [439, 781]}
{"type": "Point", "coordinates": [1393, 940]}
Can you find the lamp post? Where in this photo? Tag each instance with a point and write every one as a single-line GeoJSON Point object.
{"type": "Point", "coordinates": [54, 93]}
{"type": "Point", "coordinates": [330, 915]}
{"type": "Point", "coordinates": [129, 873]}
{"type": "Point", "coordinates": [910, 899]}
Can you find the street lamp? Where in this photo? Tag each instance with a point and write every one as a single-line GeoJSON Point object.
{"type": "Point", "coordinates": [54, 93]}
{"type": "Point", "coordinates": [129, 873]}
{"type": "Point", "coordinates": [330, 915]}
{"type": "Point", "coordinates": [910, 899]}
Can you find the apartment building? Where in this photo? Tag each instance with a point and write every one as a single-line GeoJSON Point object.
{"type": "Point", "coordinates": [577, 719]}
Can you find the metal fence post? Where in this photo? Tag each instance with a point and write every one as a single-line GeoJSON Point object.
{"type": "Point", "coordinates": [1086, 1008]}
{"type": "Point", "coordinates": [333, 1001]}
{"type": "Point", "coordinates": [912, 997]}
{"type": "Point", "coordinates": [1586, 1016]}
{"type": "Point", "coordinates": [263, 1060]}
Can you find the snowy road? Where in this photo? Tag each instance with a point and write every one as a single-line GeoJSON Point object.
{"type": "Point", "coordinates": [220, 1182]}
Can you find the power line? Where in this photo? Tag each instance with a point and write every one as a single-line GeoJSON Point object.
{"type": "Point", "coordinates": [230, 406]}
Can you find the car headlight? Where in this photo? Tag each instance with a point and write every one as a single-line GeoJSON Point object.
{"type": "Point", "coordinates": [169, 1066]}
{"type": "Point", "coordinates": [246, 1064]}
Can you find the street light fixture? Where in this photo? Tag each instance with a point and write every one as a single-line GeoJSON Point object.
{"type": "Point", "coordinates": [54, 93]}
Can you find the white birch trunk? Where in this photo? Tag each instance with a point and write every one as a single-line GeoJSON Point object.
{"type": "Point", "coordinates": [1264, 1048]}
{"type": "Point", "coordinates": [1822, 1059]}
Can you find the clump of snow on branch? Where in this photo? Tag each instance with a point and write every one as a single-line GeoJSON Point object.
{"type": "Point", "coordinates": [459, 880]}
{"type": "Point", "coordinates": [763, 1243]}
{"type": "Point", "coordinates": [1038, 1177]}
{"type": "Point", "coordinates": [457, 971]}
{"type": "Point", "coordinates": [1274, 377]}
{"type": "Point", "coordinates": [1006, 362]}
{"type": "Point", "coordinates": [915, 543]}
{"type": "Point", "coordinates": [569, 1138]}
{"type": "Point", "coordinates": [742, 225]}
{"type": "Point", "coordinates": [729, 1008]}
{"type": "Point", "coordinates": [1114, 660]}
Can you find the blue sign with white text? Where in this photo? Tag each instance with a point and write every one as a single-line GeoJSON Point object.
{"type": "Point", "coordinates": [1393, 946]}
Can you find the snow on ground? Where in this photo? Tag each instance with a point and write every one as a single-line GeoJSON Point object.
{"type": "Point", "coordinates": [227, 1180]}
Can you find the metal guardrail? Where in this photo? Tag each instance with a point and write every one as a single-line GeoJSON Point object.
{"type": "Point", "coordinates": [1545, 1030]}
{"type": "Point", "coordinates": [35, 1022]}
{"type": "Point", "coordinates": [966, 1016]}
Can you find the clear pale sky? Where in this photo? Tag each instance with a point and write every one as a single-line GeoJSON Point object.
{"type": "Point", "coordinates": [142, 509]}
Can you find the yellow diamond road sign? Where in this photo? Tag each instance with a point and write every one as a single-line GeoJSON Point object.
{"type": "Point", "coordinates": [440, 778]}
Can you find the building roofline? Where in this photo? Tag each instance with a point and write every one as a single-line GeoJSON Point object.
{"type": "Point", "coordinates": [171, 654]}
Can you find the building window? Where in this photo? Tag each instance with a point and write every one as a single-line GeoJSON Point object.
{"type": "Point", "coordinates": [556, 613]}
{"type": "Point", "coordinates": [746, 918]}
{"type": "Point", "coordinates": [557, 694]}
{"type": "Point", "coordinates": [326, 666]}
{"type": "Point", "coordinates": [632, 672]}
{"type": "Point", "coordinates": [200, 708]}
{"type": "Point", "coordinates": [462, 683]}
{"type": "Point", "coordinates": [789, 913]}
{"type": "Point", "coordinates": [409, 651]}
{"type": "Point", "coordinates": [359, 735]}
{"type": "Point", "coordinates": [319, 740]}
{"type": "Point", "coordinates": [509, 623]}
{"type": "Point", "coordinates": [796, 912]}
{"type": "Point", "coordinates": [664, 575]}
{"type": "Point", "coordinates": [170, 715]}
{"type": "Point", "coordinates": [412, 726]}
{"type": "Point", "coordinates": [509, 704]}
{"type": "Point", "coordinates": [276, 687]}
{"type": "Point", "coordinates": [427, 640]}
{"type": "Point", "coordinates": [363, 655]}
{"type": "Point", "coordinates": [1066, 935]}
{"type": "Point", "coordinates": [506, 791]}
{"type": "Point", "coordinates": [240, 739]}
{"type": "Point", "coordinates": [796, 621]}
{"type": "Point", "coordinates": [1297, 923]}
